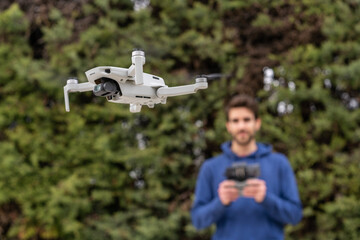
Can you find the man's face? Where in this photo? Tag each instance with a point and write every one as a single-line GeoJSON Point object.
{"type": "Point", "coordinates": [242, 125]}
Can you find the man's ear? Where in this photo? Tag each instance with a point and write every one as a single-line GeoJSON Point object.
{"type": "Point", "coordinates": [227, 126]}
{"type": "Point", "coordinates": [258, 124]}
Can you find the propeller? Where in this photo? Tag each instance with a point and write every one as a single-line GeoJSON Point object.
{"type": "Point", "coordinates": [213, 76]}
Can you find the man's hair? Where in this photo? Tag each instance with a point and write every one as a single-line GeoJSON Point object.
{"type": "Point", "coordinates": [242, 101]}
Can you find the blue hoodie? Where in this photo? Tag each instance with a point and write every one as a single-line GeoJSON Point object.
{"type": "Point", "coordinates": [244, 218]}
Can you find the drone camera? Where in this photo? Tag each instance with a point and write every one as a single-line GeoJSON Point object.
{"type": "Point", "coordinates": [106, 87]}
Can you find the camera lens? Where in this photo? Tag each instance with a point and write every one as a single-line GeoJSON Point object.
{"type": "Point", "coordinates": [109, 87]}
{"type": "Point", "coordinates": [97, 88]}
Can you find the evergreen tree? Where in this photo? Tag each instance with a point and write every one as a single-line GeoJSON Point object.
{"type": "Point", "coordinates": [101, 172]}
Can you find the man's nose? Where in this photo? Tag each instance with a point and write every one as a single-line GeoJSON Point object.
{"type": "Point", "coordinates": [240, 124]}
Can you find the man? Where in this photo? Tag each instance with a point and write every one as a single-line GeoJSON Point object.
{"type": "Point", "coordinates": [266, 204]}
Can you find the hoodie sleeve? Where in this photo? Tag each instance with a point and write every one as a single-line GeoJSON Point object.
{"type": "Point", "coordinates": [285, 208]}
{"type": "Point", "coordinates": [207, 207]}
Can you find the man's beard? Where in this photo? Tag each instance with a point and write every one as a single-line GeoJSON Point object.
{"type": "Point", "coordinates": [243, 141]}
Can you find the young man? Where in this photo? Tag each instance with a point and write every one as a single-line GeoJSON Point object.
{"type": "Point", "coordinates": [266, 204]}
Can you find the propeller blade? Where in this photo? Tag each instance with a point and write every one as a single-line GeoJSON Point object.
{"type": "Point", "coordinates": [213, 76]}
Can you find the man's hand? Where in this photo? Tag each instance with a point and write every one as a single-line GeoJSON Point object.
{"type": "Point", "coordinates": [227, 192]}
{"type": "Point", "coordinates": [255, 188]}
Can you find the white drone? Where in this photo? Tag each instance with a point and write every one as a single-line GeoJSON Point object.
{"type": "Point", "coordinates": [130, 85]}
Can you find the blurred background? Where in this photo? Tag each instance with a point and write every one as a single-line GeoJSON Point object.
{"type": "Point", "coordinates": [101, 172]}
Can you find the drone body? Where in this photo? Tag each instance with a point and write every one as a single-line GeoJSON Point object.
{"type": "Point", "coordinates": [130, 85]}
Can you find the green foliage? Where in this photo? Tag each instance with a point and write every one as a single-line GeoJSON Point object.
{"type": "Point", "coordinates": [101, 172]}
{"type": "Point", "coordinates": [12, 21]}
{"type": "Point", "coordinates": [322, 135]}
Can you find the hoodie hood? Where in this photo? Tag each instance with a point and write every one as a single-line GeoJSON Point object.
{"type": "Point", "coordinates": [262, 150]}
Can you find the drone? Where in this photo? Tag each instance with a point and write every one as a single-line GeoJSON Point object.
{"type": "Point", "coordinates": [130, 85]}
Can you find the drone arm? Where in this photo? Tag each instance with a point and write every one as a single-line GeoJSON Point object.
{"type": "Point", "coordinates": [73, 86]}
{"type": "Point", "coordinates": [84, 87]}
{"type": "Point", "coordinates": [201, 83]}
{"type": "Point", "coordinates": [136, 69]}
{"type": "Point", "coordinates": [66, 97]}
{"type": "Point", "coordinates": [139, 70]}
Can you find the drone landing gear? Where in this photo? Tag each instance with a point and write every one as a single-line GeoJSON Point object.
{"type": "Point", "coordinates": [134, 108]}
